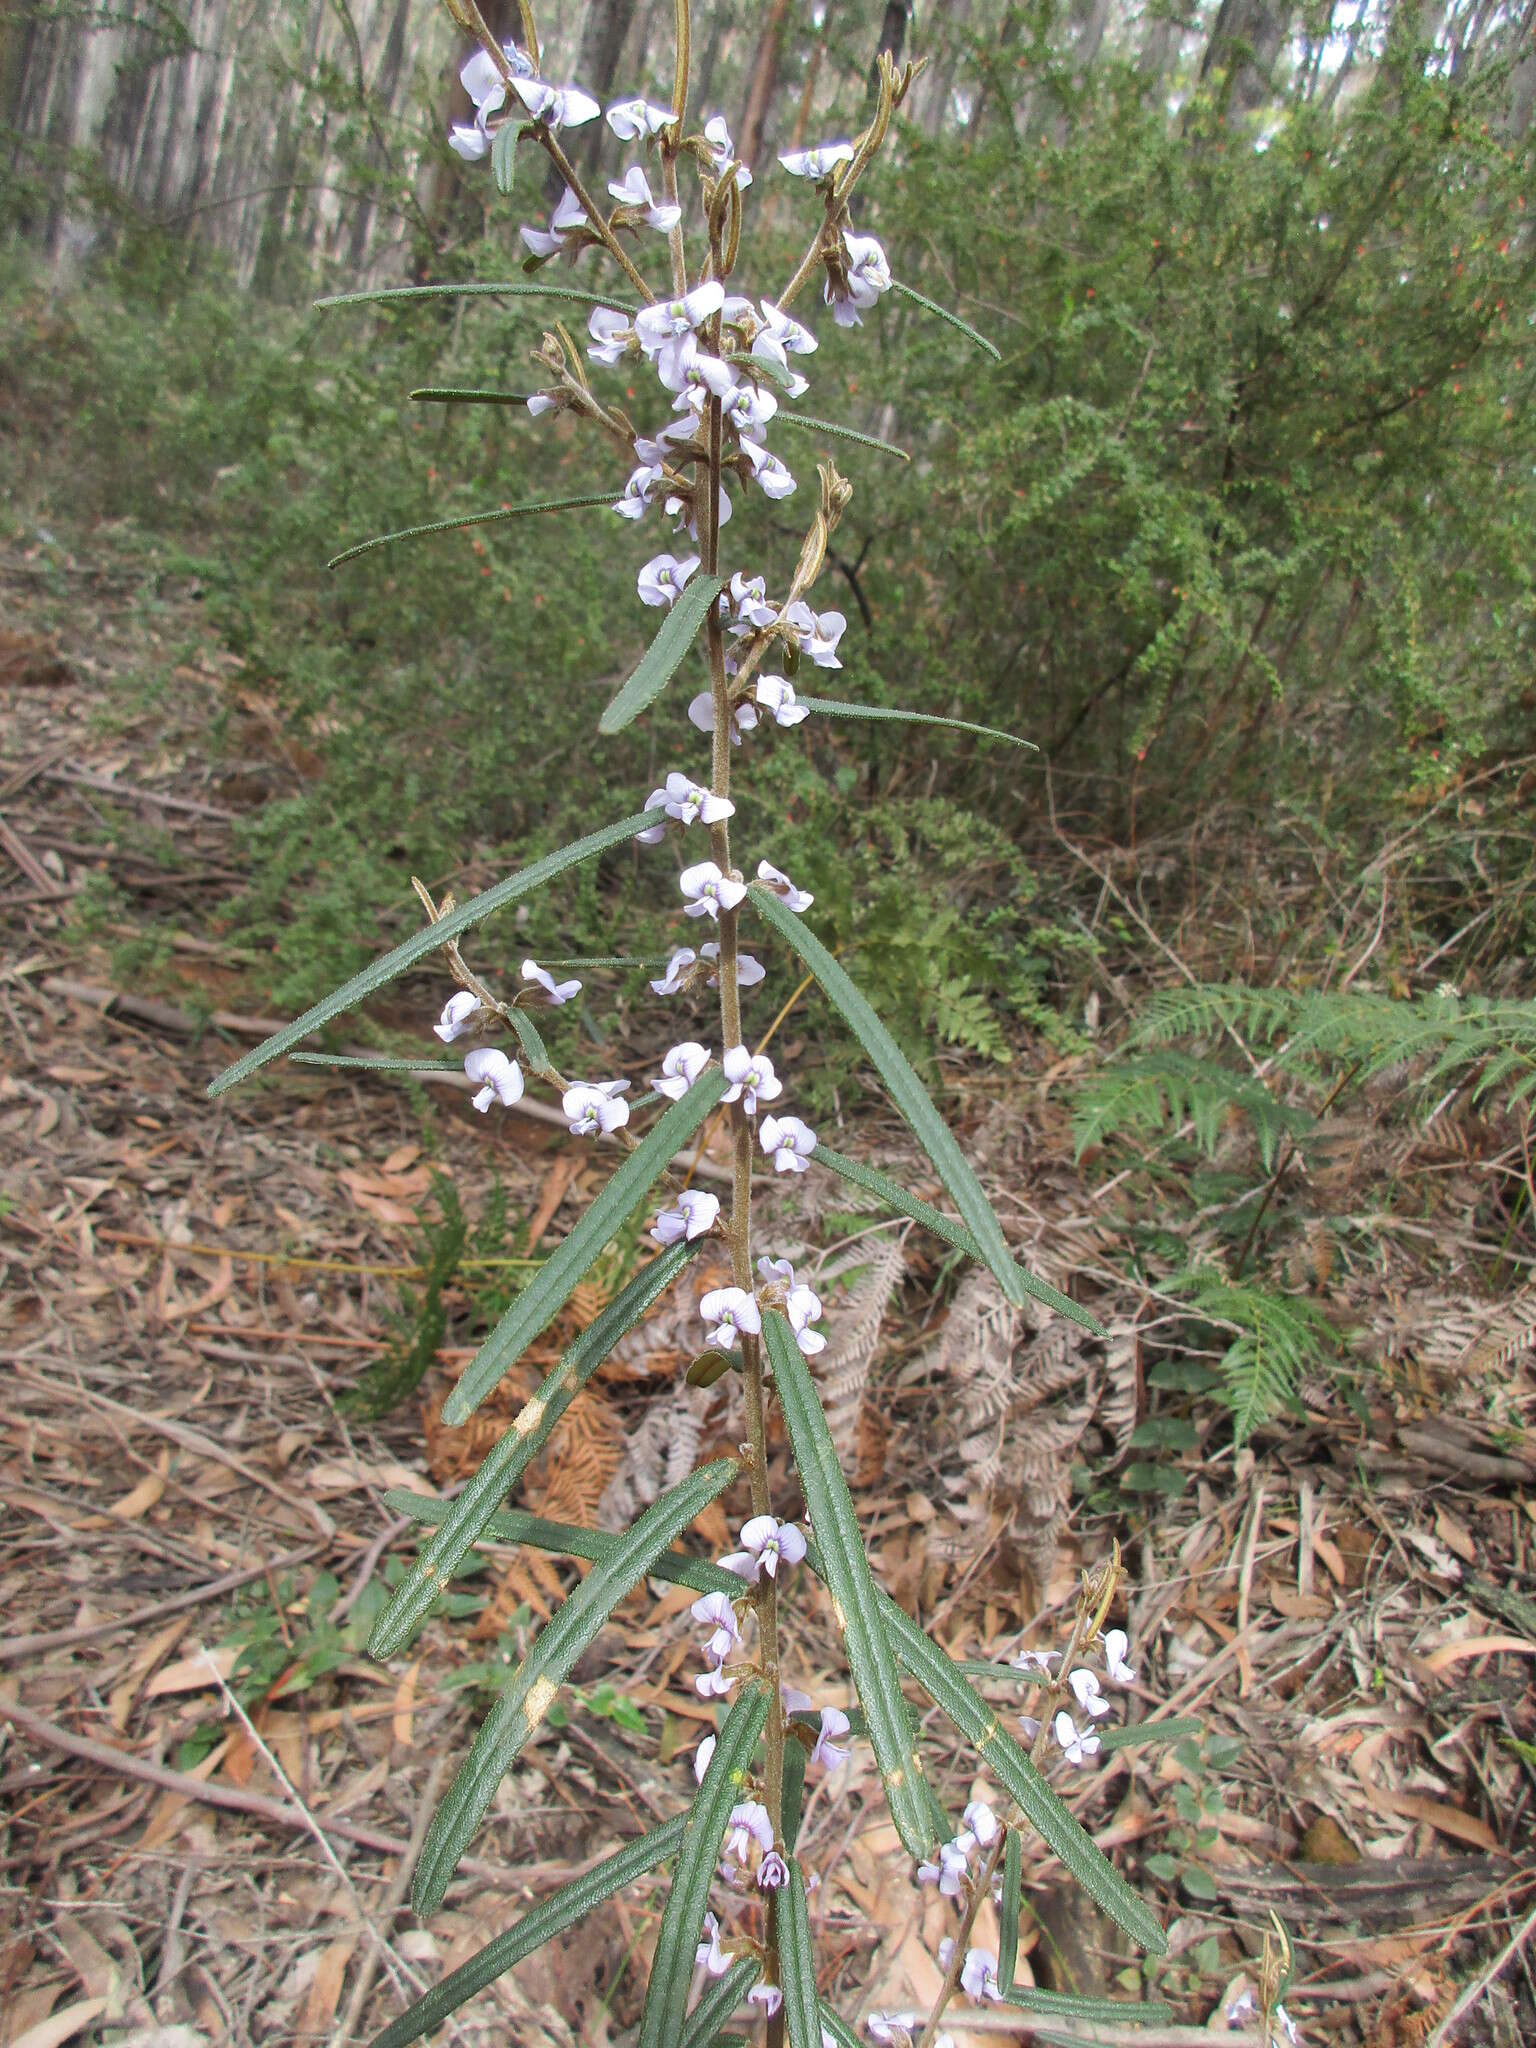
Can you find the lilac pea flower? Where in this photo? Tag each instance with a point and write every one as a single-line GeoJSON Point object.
{"type": "Point", "coordinates": [498, 1078]}
{"type": "Point", "coordinates": [1077, 1744]}
{"type": "Point", "coordinates": [978, 1976]}
{"type": "Point", "coordinates": [817, 163]}
{"type": "Point", "coordinates": [749, 1822]}
{"type": "Point", "coordinates": [747, 410]}
{"type": "Point", "coordinates": [631, 119]}
{"type": "Point", "coordinates": [594, 1107]}
{"type": "Point", "coordinates": [567, 217]}
{"type": "Point", "coordinates": [792, 898]}
{"type": "Point", "coordinates": [950, 1872]}
{"type": "Point", "coordinates": [709, 1955]}
{"type": "Point", "coordinates": [817, 632]}
{"type": "Point", "coordinates": [749, 972]}
{"type": "Point", "coordinates": [542, 402]}
{"type": "Point", "coordinates": [1085, 1690]}
{"type": "Point", "coordinates": [701, 1757]}
{"type": "Point", "coordinates": [695, 375]}
{"type": "Point", "coordinates": [469, 140]}
{"type": "Point", "coordinates": [611, 335]}
{"type": "Point", "coordinates": [459, 1012]}
{"type": "Point", "coordinates": [731, 1313]}
{"type": "Point", "coordinates": [634, 190]}
{"type": "Point", "coordinates": [1116, 1644]}
{"type": "Point", "coordinates": [701, 712]}
{"type": "Point", "coordinates": [1030, 1726]}
{"type": "Point", "coordinates": [683, 511]}
{"type": "Point", "coordinates": [691, 1215]}
{"type": "Point", "coordinates": [558, 992]}
{"type": "Point", "coordinates": [787, 336]}
{"type": "Point", "coordinates": [787, 1141]}
{"type": "Point", "coordinates": [681, 1068]}
{"type": "Point", "coordinates": [706, 892]}
{"type": "Point", "coordinates": [889, 2028]}
{"type": "Point", "coordinates": [946, 1951]}
{"type": "Point", "coordinates": [766, 1544]}
{"type": "Point", "coordinates": [751, 1077]}
{"type": "Point", "coordinates": [981, 1821]}
{"type": "Point", "coordinates": [795, 1701]}
{"type": "Point", "coordinates": [557, 106]}
{"type": "Point", "coordinates": [834, 1722]}
{"type": "Point", "coordinates": [664, 578]}
{"type": "Point", "coordinates": [777, 698]}
{"type": "Point", "coordinates": [749, 601]}
{"type": "Point", "coordinates": [768, 1996]}
{"type": "Point", "coordinates": [1036, 1660]}
{"type": "Point", "coordinates": [776, 1269]}
{"type": "Point", "coordinates": [772, 1872]}
{"type": "Point", "coordinates": [715, 1683]}
{"type": "Point", "coordinates": [670, 319]}
{"type": "Point", "coordinates": [803, 1307]}
{"type": "Point", "coordinates": [715, 1612]}
{"type": "Point", "coordinates": [677, 972]}
{"type": "Point", "coordinates": [722, 151]}
{"type": "Point", "coordinates": [772, 476]}
{"type": "Point", "coordinates": [638, 492]}
{"type": "Point", "coordinates": [687, 801]}
{"type": "Point", "coordinates": [869, 274]}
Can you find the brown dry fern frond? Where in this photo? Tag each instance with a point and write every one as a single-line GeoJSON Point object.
{"type": "Point", "coordinates": [874, 1269]}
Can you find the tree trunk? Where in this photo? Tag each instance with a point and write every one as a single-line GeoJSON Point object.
{"type": "Point", "coordinates": [1244, 49]}
{"type": "Point", "coordinates": [603, 36]}
{"type": "Point", "coordinates": [893, 40]}
{"type": "Point", "coordinates": [761, 86]}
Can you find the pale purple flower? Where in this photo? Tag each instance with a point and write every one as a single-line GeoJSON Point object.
{"type": "Point", "coordinates": [951, 1870]}
{"type": "Point", "coordinates": [722, 151]}
{"type": "Point", "coordinates": [1085, 1690]}
{"type": "Point", "coordinates": [677, 971]}
{"type": "Point", "coordinates": [749, 972]}
{"type": "Point", "coordinates": [685, 512]}
{"type": "Point", "coordinates": [747, 411]}
{"type": "Point", "coordinates": [694, 374]}
{"type": "Point", "coordinates": [777, 698]}
{"type": "Point", "coordinates": [558, 992]}
{"type": "Point", "coordinates": [691, 1215]}
{"type": "Point", "coordinates": [792, 898]}
{"type": "Point", "coordinates": [732, 1313]}
{"type": "Point", "coordinates": [469, 140]}
{"type": "Point", "coordinates": [803, 1307]}
{"type": "Point", "coordinates": [635, 191]}
{"type": "Point", "coordinates": [946, 1951]}
{"type": "Point", "coordinates": [681, 1068]}
{"type": "Point", "coordinates": [751, 1077]}
{"type": "Point", "coordinates": [715, 1683]}
{"type": "Point", "coordinates": [709, 1955]}
{"type": "Point", "coordinates": [706, 892]}
{"type": "Point", "coordinates": [559, 106]}
{"type": "Point", "coordinates": [834, 1722]}
{"type": "Point", "coordinates": [459, 1012]}
{"type": "Point", "coordinates": [1116, 1644]}
{"type": "Point", "coordinates": [768, 1996]}
{"type": "Point", "coordinates": [567, 217]}
{"type": "Point", "coordinates": [669, 319]}
{"type": "Point", "coordinates": [749, 602]}
{"type": "Point", "coordinates": [772, 1872]}
{"type": "Point", "coordinates": [701, 712]}
{"type": "Point", "coordinates": [868, 276]}
{"type": "Point", "coordinates": [701, 1757]}
{"type": "Point", "coordinates": [749, 1822]}
{"type": "Point", "coordinates": [1077, 1744]}
{"type": "Point", "coordinates": [715, 1612]}
{"type": "Point", "coordinates": [631, 118]}
{"type": "Point", "coordinates": [663, 578]}
{"type": "Point", "coordinates": [498, 1078]}
{"type": "Point", "coordinates": [591, 1107]}
{"type": "Point", "coordinates": [766, 1544]}
{"type": "Point", "coordinates": [771, 475]}
{"type": "Point", "coordinates": [978, 1976]}
{"type": "Point", "coordinates": [787, 1141]}
{"type": "Point", "coordinates": [611, 335]}
{"type": "Point", "coordinates": [688, 801]}
{"type": "Point", "coordinates": [634, 501]}
{"type": "Point", "coordinates": [819, 162]}
{"type": "Point", "coordinates": [981, 1821]}
{"type": "Point", "coordinates": [889, 2028]}
{"type": "Point", "coordinates": [1036, 1660]}
{"type": "Point", "coordinates": [1030, 1726]}
{"type": "Point", "coordinates": [817, 632]}
{"type": "Point", "coordinates": [542, 402]}
{"type": "Point", "coordinates": [795, 1701]}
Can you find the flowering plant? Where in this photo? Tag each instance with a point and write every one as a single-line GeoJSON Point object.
{"type": "Point", "coordinates": [716, 362]}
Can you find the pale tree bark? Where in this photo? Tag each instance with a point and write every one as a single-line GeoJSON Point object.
{"type": "Point", "coordinates": [1243, 52]}
{"type": "Point", "coordinates": [943, 34]}
{"type": "Point", "coordinates": [761, 85]}
{"type": "Point", "coordinates": [1522, 78]}
{"type": "Point", "coordinates": [603, 36]}
{"type": "Point", "coordinates": [1160, 47]}
{"type": "Point", "coordinates": [893, 40]}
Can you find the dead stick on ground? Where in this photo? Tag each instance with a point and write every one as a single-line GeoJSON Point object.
{"type": "Point", "coordinates": [394, 1898]}
{"type": "Point", "coordinates": [1475, 1990]}
{"type": "Point", "coordinates": [16, 1648]}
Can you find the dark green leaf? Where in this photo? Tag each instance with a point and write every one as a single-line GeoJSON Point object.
{"type": "Point", "coordinates": [550, 1917]}
{"type": "Point", "coordinates": [504, 157]}
{"type": "Point", "coordinates": [376, 1064]}
{"type": "Point", "coordinates": [840, 707]}
{"type": "Point", "coordinates": [896, 1197]}
{"type": "Point", "coordinates": [842, 433]}
{"type": "Point", "coordinates": [853, 1591]}
{"type": "Point", "coordinates": [1136, 1733]}
{"type": "Point", "coordinates": [1065, 2005]}
{"type": "Point", "coordinates": [547, 1293]}
{"type": "Point", "coordinates": [661, 659]}
{"type": "Point", "coordinates": [666, 1996]}
{"type": "Point", "coordinates": [797, 1964]}
{"type": "Point", "coordinates": [796, 1757]}
{"type": "Point", "coordinates": [534, 1049]}
{"type": "Point", "coordinates": [491, 518]}
{"type": "Point", "coordinates": [719, 2001]}
{"type": "Point", "coordinates": [519, 1446]}
{"type": "Point", "coordinates": [399, 293]}
{"type": "Point", "coordinates": [529, 1692]}
{"type": "Point", "coordinates": [839, 2028]}
{"type": "Point", "coordinates": [932, 306]}
{"type": "Point", "coordinates": [453, 394]}
{"type": "Point", "coordinates": [1008, 1918]}
{"type": "Point", "coordinates": [563, 1539]}
{"type": "Point", "coordinates": [429, 939]}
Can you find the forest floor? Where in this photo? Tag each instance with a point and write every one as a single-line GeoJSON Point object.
{"type": "Point", "coordinates": [210, 1800]}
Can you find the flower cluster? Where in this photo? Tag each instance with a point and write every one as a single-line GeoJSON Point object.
{"type": "Point", "coordinates": [952, 1872]}
{"type": "Point", "coordinates": [1079, 1743]}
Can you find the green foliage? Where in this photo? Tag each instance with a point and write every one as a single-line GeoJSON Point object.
{"type": "Point", "coordinates": [1274, 1339]}
{"type": "Point", "coordinates": [1143, 1096]}
{"type": "Point", "coordinates": [423, 1322]}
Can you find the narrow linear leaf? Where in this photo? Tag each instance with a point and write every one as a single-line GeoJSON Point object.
{"type": "Point", "coordinates": [376, 1064]}
{"type": "Point", "coordinates": [815, 426]}
{"type": "Point", "coordinates": [661, 659]}
{"type": "Point", "coordinates": [854, 1594]}
{"type": "Point", "coordinates": [398, 294]}
{"type": "Point", "coordinates": [839, 707]}
{"type": "Point", "coordinates": [550, 1917]}
{"type": "Point", "coordinates": [563, 1539]}
{"type": "Point", "coordinates": [1008, 1918]}
{"type": "Point", "coordinates": [1137, 1733]}
{"type": "Point", "coordinates": [666, 1996]}
{"type": "Point", "coordinates": [904, 1089]}
{"type": "Point", "coordinates": [1065, 2005]}
{"type": "Point", "coordinates": [792, 1803]}
{"type": "Point", "coordinates": [530, 1039]}
{"type": "Point", "coordinates": [504, 157]}
{"type": "Point", "coordinates": [760, 366]}
{"type": "Point", "coordinates": [928, 305]}
{"type": "Point", "coordinates": [720, 2000]}
{"type": "Point", "coordinates": [999, 1674]}
{"type": "Point", "coordinates": [530, 1430]}
{"type": "Point", "coordinates": [545, 1295]}
{"type": "Point", "coordinates": [531, 1690]}
{"type": "Point", "coordinates": [839, 2028]}
{"type": "Point", "coordinates": [797, 1964]}
{"type": "Point", "coordinates": [429, 939]}
{"type": "Point", "coordinates": [922, 1658]}
{"type": "Point", "coordinates": [896, 1197]}
{"type": "Point", "coordinates": [491, 518]}
{"type": "Point", "coordinates": [453, 394]}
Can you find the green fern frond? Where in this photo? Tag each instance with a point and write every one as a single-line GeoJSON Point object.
{"type": "Point", "coordinates": [1276, 1338]}
{"type": "Point", "coordinates": [1163, 1090]}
